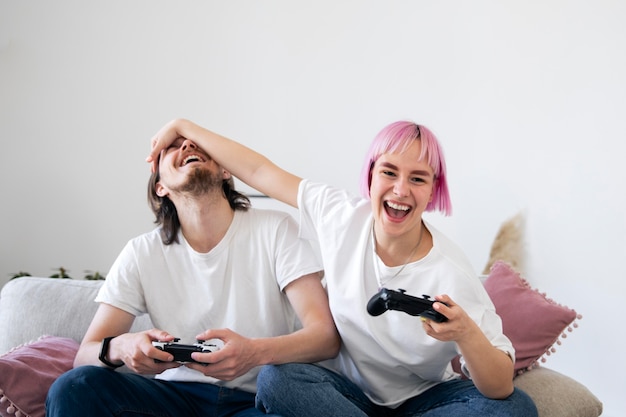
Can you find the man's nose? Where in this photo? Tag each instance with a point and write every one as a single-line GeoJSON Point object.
{"type": "Point", "coordinates": [187, 144]}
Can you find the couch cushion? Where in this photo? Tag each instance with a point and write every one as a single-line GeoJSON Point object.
{"type": "Point", "coordinates": [533, 322]}
{"type": "Point", "coordinates": [33, 306]}
{"type": "Point", "coordinates": [557, 395]}
{"type": "Point", "coordinates": [29, 370]}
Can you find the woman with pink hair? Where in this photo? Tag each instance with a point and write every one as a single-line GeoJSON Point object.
{"type": "Point", "coordinates": [376, 247]}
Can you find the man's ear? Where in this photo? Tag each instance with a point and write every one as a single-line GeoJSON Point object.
{"type": "Point", "coordinates": [226, 175]}
{"type": "Point", "coordinates": [161, 191]}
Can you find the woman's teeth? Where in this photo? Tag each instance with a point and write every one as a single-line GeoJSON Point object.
{"type": "Point", "coordinates": [398, 206]}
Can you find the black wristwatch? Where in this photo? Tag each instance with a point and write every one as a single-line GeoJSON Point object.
{"type": "Point", "coordinates": [104, 350]}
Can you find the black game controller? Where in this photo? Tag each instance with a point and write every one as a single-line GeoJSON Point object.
{"type": "Point", "coordinates": [387, 299]}
{"type": "Point", "coordinates": [182, 352]}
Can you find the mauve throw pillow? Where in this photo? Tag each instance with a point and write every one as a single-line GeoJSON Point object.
{"type": "Point", "coordinates": [28, 371]}
{"type": "Point", "coordinates": [533, 322]}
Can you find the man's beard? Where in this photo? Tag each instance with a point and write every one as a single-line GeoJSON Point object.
{"type": "Point", "coordinates": [200, 182]}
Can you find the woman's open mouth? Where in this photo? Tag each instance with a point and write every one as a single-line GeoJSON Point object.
{"type": "Point", "coordinates": [395, 210]}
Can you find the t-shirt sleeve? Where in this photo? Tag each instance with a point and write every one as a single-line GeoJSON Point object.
{"type": "Point", "coordinates": [295, 256]}
{"type": "Point", "coordinates": [306, 198]}
{"type": "Point", "coordinates": [122, 287]}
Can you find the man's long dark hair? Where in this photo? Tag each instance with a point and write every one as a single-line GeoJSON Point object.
{"type": "Point", "coordinates": [167, 216]}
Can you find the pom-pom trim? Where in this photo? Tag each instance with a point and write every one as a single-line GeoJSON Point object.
{"type": "Point", "coordinates": [558, 341]}
{"type": "Point", "coordinates": [11, 407]}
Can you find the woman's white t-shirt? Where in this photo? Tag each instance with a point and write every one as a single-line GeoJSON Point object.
{"type": "Point", "coordinates": [389, 357]}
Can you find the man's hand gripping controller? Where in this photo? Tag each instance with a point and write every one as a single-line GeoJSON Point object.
{"type": "Point", "coordinates": [387, 299]}
{"type": "Point", "coordinates": [182, 352]}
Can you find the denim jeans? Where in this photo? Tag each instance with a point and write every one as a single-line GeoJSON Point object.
{"type": "Point", "coordinates": [302, 390]}
{"type": "Point", "coordinates": [95, 391]}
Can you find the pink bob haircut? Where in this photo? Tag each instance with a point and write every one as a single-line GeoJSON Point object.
{"type": "Point", "coordinates": [395, 138]}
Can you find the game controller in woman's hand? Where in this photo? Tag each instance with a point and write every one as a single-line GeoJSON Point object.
{"type": "Point", "coordinates": [387, 299]}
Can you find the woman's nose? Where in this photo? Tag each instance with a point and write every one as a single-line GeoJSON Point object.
{"type": "Point", "coordinates": [400, 188]}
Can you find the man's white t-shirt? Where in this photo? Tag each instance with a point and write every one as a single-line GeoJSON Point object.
{"type": "Point", "coordinates": [389, 357]}
{"type": "Point", "coordinates": [237, 285]}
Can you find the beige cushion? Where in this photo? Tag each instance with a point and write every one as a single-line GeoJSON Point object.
{"type": "Point", "coordinates": [557, 395]}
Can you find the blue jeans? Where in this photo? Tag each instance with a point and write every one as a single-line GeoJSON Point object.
{"type": "Point", "coordinates": [95, 391]}
{"type": "Point", "coordinates": [302, 390]}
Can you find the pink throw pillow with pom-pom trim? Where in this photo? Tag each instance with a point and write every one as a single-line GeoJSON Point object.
{"type": "Point", "coordinates": [27, 371]}
{"type": "Point", "coordinates": [530, 320]}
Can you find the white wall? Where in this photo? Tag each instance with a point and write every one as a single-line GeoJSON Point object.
{"type": "Point", "coordinates": [528, 98]}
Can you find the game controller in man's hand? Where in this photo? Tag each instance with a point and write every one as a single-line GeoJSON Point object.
{"type": "Point", "coordinates": [182, 352]}
{"type": "Point", "coordinates": [387, 299]}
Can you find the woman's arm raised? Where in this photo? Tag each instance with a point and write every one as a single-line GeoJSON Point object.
{"type": "Point", "coordinates": [244, 163]}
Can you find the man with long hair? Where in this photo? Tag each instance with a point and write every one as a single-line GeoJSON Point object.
{"type": "Point", "coordinates": [216, 270]}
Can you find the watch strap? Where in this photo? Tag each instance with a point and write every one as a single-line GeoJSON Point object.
{"type": "Point", "coordinates": [104, 350]}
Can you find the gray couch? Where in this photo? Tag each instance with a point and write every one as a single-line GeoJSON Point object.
{"type": "Point", "coordinates": [31, 307]}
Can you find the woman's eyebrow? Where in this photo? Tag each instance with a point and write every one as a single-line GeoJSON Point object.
{"type": "Point", "coordinates": [422, 172]}
{"type": "Point", "coordinates": [389, 165]}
